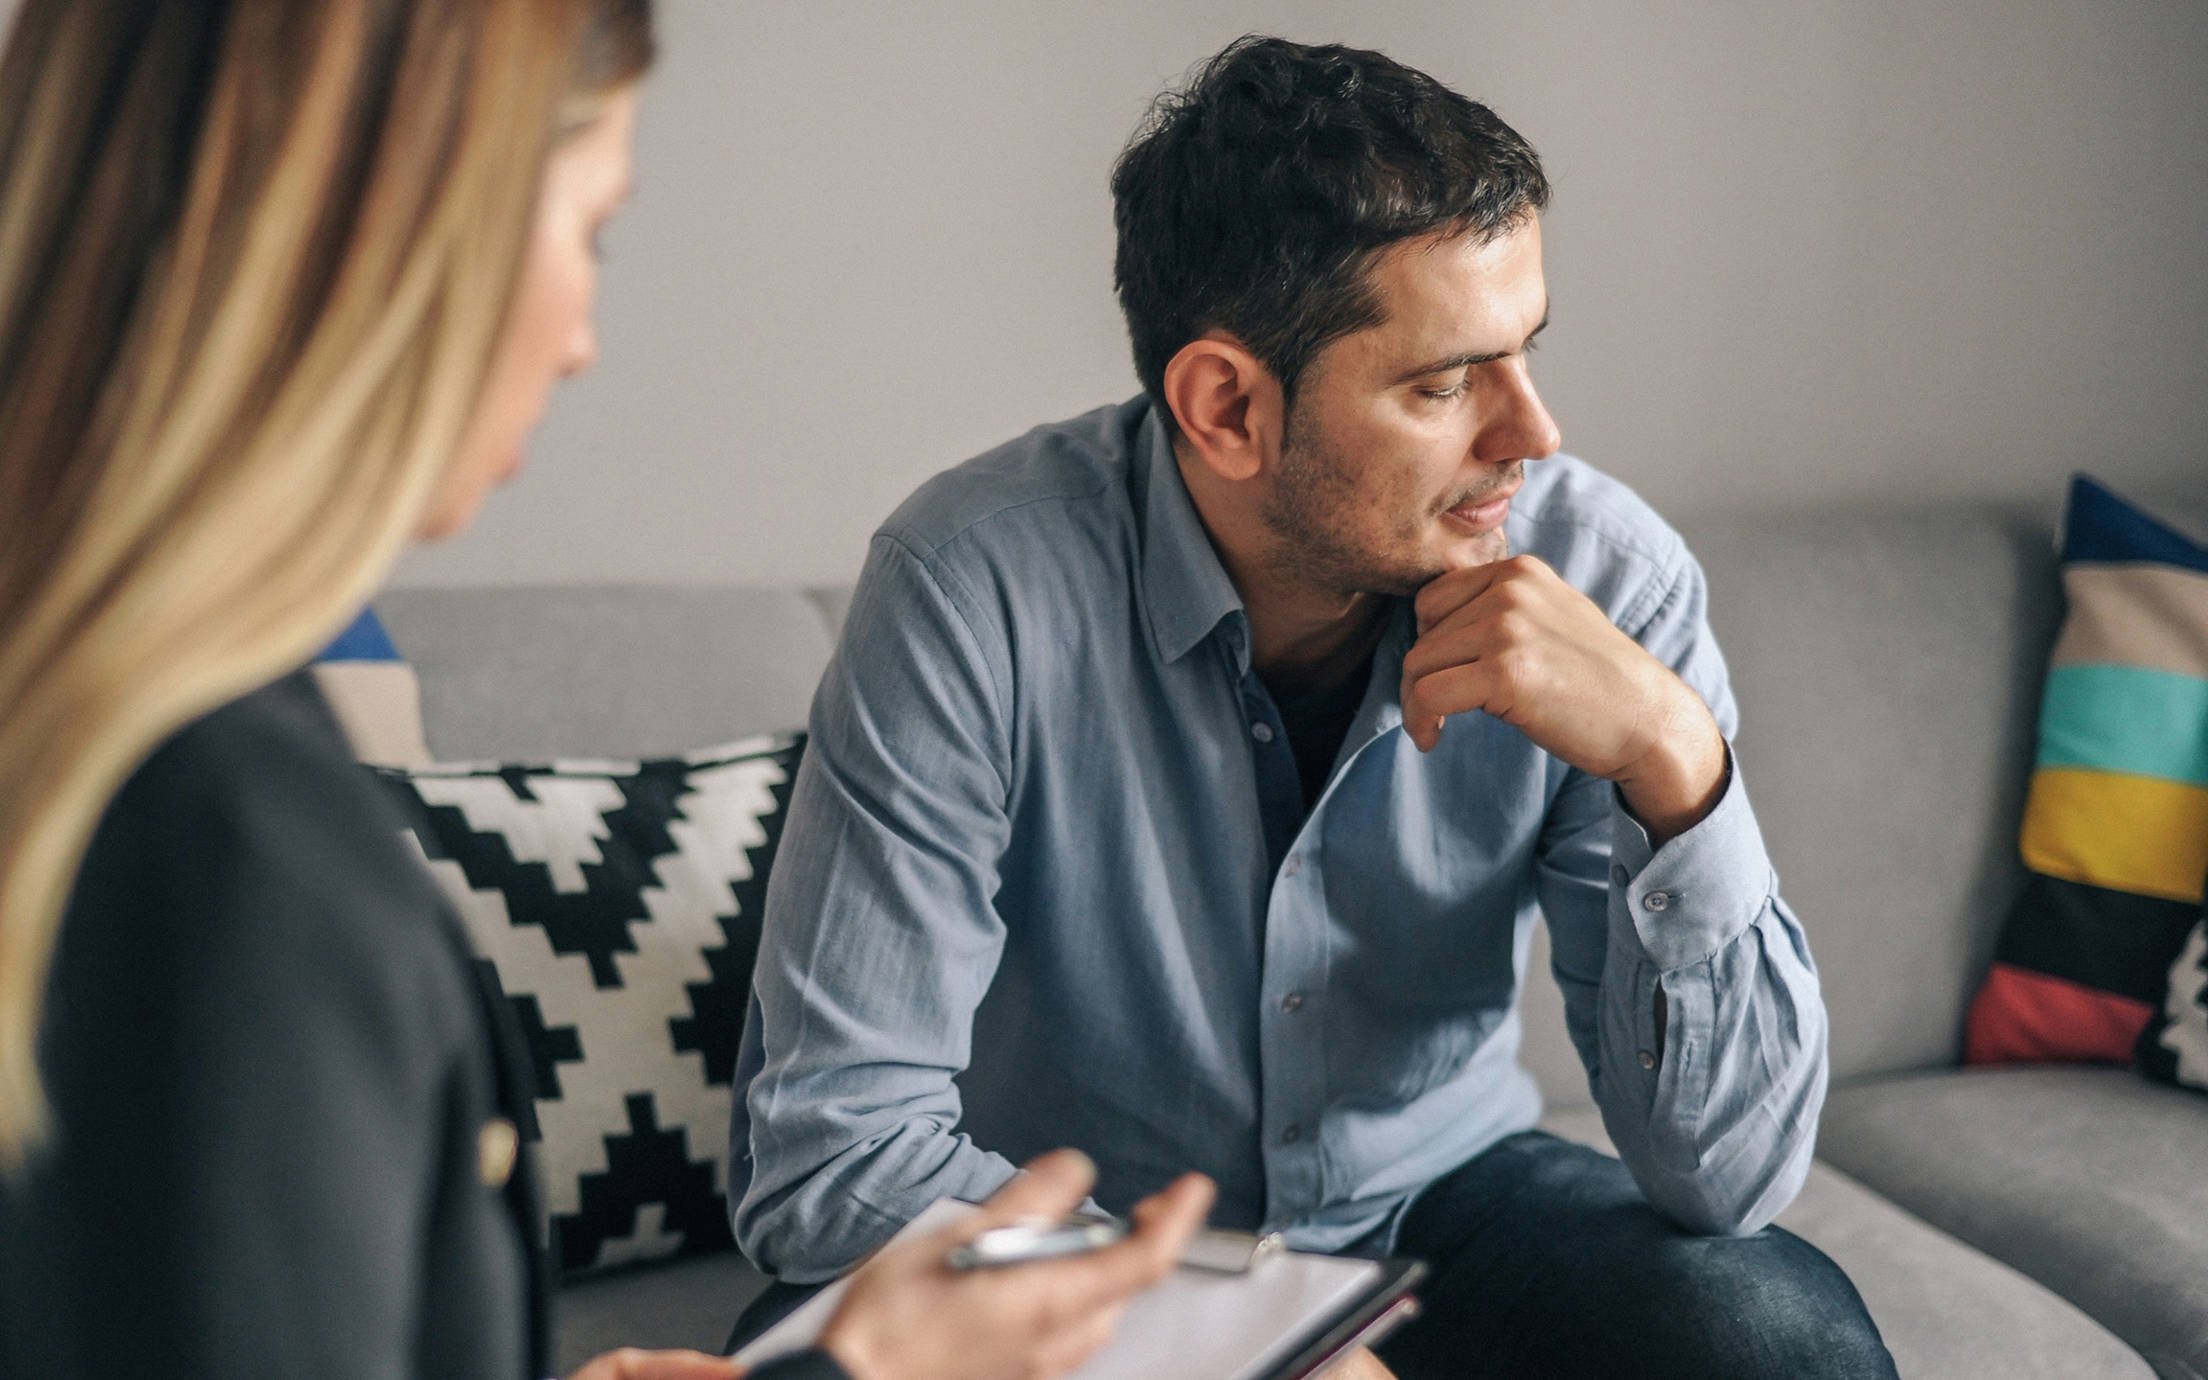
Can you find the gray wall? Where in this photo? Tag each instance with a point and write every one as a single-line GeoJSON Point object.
{"type": "Point", "coordinates": [1801, 252]}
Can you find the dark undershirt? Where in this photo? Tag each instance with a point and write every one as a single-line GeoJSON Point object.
{"type": "Point", "coordinates": [1317, 723]}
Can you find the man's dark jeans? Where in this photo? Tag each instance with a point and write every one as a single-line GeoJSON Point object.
{"type": "Point", "coordinates": [1547, 1261]}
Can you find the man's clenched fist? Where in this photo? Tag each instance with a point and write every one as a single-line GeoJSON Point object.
{"type": "Point", "coordinates": [1511, 639]}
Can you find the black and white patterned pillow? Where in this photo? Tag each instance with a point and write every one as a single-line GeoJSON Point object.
{"type": "Point", "coordinates": [620, 904]}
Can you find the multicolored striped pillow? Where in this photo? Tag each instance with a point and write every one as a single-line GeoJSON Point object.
{"type": "Point", "coordinates": [2116, 825]}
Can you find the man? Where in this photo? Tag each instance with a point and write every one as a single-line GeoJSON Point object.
{"type": "Point", "coordinates": [1191, 774]}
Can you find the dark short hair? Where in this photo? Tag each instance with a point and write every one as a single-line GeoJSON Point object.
{"type": "Point", "coordinates": [1255, 200]}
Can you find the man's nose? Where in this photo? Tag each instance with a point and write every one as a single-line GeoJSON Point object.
{"type": "Point", "coordinates": [1522, 428]}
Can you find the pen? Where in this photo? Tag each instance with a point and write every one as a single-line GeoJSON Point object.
{"type": "Point", "coordinates": [1043, 1238]}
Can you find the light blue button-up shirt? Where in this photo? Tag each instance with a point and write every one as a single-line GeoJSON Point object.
{"type": "Point", "coordinates": [1046, 880]}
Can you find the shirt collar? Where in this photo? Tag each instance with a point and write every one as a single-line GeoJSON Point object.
{"type": "Point", "coordinates": [1185, 587]}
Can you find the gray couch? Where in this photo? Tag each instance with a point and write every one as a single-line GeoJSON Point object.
{"type": "Point", "coordinates": [2028, 1222]}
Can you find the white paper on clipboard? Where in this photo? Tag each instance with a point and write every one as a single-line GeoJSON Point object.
{"type": "Point", "coordinates": [1198, 1324]}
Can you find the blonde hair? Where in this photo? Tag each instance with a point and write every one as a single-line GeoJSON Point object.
{"type": "Point", "coordinates": [254, 260]}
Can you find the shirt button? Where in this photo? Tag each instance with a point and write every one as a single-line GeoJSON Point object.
{"type": "Point", "coordinates": [1292, 1134]}
{"type": "Point", "coordinates": [1262, 731]}
{"type": "Point", "coordinates": [1656, 900]}
{"type": "Point", "coordinates": [1619, 875]}
{"type": "Point", "coordinates": [1648, 1060]}
{"type": "Point", "coordinates": [1292, 1003]}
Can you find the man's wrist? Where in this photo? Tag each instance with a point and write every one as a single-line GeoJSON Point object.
{"type": "Point", "coordinates": [1682, 778]}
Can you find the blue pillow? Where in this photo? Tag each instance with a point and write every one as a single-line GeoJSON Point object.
{"type": "Point", "coordinates": [365, 640]}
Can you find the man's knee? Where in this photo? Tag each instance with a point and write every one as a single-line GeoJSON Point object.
{"type": "Point", "coordinates": [1765, 1305]}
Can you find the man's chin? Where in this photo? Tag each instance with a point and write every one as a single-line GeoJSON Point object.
{"type": "Point", "coordinates": [1403, 575]}
{"type": "Point", "coordinates": [1465, 552]}
{"type": "Point", "coordinates": [1400, 582]}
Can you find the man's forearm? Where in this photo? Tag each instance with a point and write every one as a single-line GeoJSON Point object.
{"type": "Point", "coordinates": [1706, 958]}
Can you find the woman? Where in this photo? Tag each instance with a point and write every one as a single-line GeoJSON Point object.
{"type": "Point", "coordinates": [283, 285]}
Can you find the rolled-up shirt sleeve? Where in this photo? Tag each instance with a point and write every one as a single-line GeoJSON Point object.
{"type": "Point", "coordinates": [881, 935]}
{"type": "Point", "coordinates": [1714, 1110]}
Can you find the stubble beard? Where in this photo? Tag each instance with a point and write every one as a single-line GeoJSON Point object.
{"type": "Point", "coordinates": [1309, 514]}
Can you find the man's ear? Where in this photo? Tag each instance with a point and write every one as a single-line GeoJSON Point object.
{"type": "Point", "coordinates": [1228, 405]}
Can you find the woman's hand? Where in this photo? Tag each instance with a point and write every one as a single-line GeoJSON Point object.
{"type": "Point", "coordinates": [909, 1316]}
{"type": "Point", "coordinates": [631, 1364]}
{"type": "Point", "coordinates": [1358, 1365]}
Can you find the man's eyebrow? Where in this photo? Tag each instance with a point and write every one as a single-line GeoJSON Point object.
{"type": "Point", "coordinates": [1468, 359]}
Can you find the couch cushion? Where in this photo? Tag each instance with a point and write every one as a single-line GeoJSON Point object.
{"type": "Point", "coordinates": [1886, 664]}
{"type": "Point", "coordinates": [2087, 1179]}
{"type": "Point", "coordinates": [689, 1303]}
{"type": "Point", "coordinates": [834, 603]}
{"type": "Point", "coordinates": [1944, 1309]}
{"type": "Point", "coordinates": [533, 674]}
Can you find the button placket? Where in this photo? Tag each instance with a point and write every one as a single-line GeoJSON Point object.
{"type": "Point", "coordinates": [1292, 1091]}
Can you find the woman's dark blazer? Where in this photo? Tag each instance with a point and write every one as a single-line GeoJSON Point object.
{"type": "Point", "coordinates": [283, 1119]}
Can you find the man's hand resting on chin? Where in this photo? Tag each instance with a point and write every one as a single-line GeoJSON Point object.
{"type": "Point", "coordinates": [1512, 639]}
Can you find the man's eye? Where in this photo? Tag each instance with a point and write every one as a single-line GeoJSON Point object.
{"type": "Point", "coordinates": [1443, 394]}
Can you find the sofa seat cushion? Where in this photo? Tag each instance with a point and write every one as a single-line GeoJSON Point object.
{"type": "Point", "coordinates": [690, 1302]}
{"type": "Point", "coordinates": [2090, 1180]}
{"type": "Point", "coordinates": [1944, 1309]}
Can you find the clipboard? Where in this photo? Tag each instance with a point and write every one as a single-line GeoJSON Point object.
{"type": "Point", "coordinates": [1389, 1305]}
{"type": "Point", "coordinates": [1287, 1319]}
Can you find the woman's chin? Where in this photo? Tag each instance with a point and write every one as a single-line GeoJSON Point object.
{"type": "Point", "coordinates": [452, 516]}
{"type": "Point", "coordinates": [454, 510]}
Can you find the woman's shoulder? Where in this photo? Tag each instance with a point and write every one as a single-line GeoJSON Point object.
{"type": "Point", "coordinates": [252, 835]}
{"type": "Point", "coordinates": [278, 746]}
{"type": "Point", "coordinates": [269, 772]}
